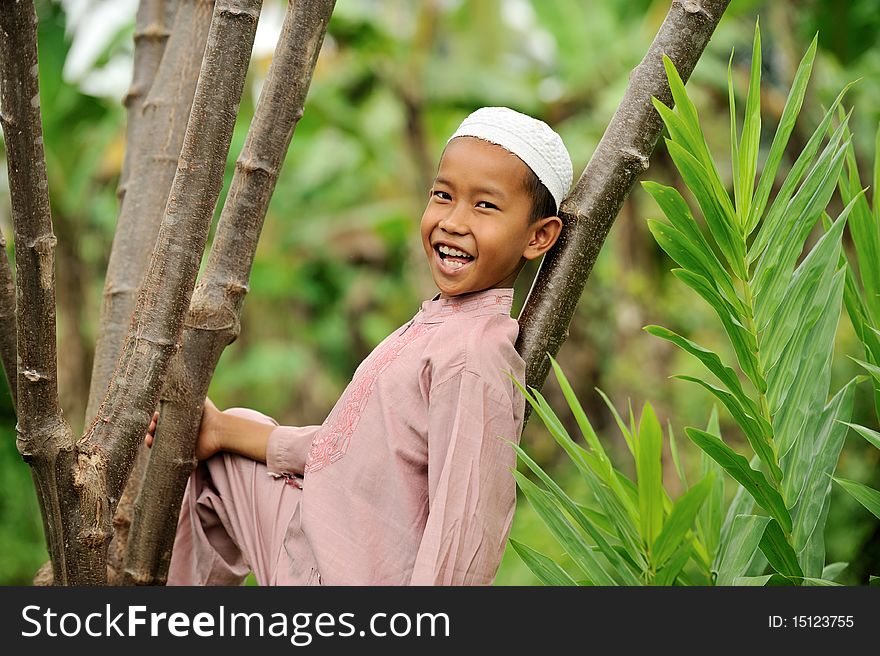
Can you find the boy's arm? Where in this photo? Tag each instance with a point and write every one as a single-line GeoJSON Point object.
{"type": "Point", "coordinates": [284, 449]}
{"type": "Point", "coordinates": [471, 490]}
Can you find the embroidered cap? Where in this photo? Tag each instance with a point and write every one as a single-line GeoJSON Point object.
{"type": "Point", "coordinates": [530, 139]}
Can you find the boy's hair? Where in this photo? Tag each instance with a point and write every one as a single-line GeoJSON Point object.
{"type": "Point", "coordinates": [543, 203]}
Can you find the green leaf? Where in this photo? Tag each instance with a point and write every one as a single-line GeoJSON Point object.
{"type": "Point", "coordinates": [680, 521]}
{"type": "Point", "coordinates": [868, 497]}
{"type": "Point", "coordinates": [833, 570]}
{"type": "Point", "coordinates": [744, 344]}
{"type": "Point", "coordinates": [778, 551]}
{"type": "Point", "coordinates": [711, 514]}
{"type": "Point", "coordinates": [809, 580]}
{"type": "Point", "coordinates": [780, 140]}
{"type": "Point", "coordinates": [742, 504]}
{"type": "Point", "coordinates": [751, 137]}
{"type": "Point", "coordinates": [773, 271]}
{"type": "Point", "coordinates": [780, 206]}
{"type": "Point", "coordinates": [818, 451]}
{"type": "Point", "coordinates": [874, 581]}
{"type": "Point", "coordinates": [547, 571]}
{"type": "Point", "coordinates": [649, 471]}
{"type": "Point", "coordinates": [758, 581]}
{"type": "Point", "coordinates": [872, 369]}
{"type": "Point", "coordinates": [738, 467]}
{"type": "Point", "coordinates": [676, 460]}
{"type": "Point", "coordinates": [667, 574]}
{"type": "Point", "coordinates": [734, 145]}
{"type": "Point", "coordinates": [588, 520]}
{"type": "Point", "coordinates": [715, 204]}
{"type": "Point", "coordinates": [809, 389]}
{"type": "Point", "coordinates": [756, 428]}
{"type": "Point", "coordinates": [570, 539]}
{"type": "Point", "coordinates": [677, 211]}
{"type": "Point", "coordinates": [712, 362]}
{"type": "Point", "coordinates": [627, 435]}
{"type": "Point", "coordinates": [871, 436]}
{"type": "Point", "coordinates": [745, 536]}
{"type": "Point", "coordinates": [578, 411]}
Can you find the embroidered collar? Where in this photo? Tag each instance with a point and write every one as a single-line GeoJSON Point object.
{"type": "Point", "coordinates": [476, 304]}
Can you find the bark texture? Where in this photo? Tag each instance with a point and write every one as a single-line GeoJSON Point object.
{"type": "Point", "coordinates": [154, 159]}
{"type": "Point", "coordinates": [213, 319]}
{"type": "Point", "coordinates": [151, 31]}
{"type": "Point", "coordinates": [621, 156]}
{"type": "Point", "coordinates": [102, 458]}
{"type": "Point", "coordinates": [44, 439]}
{"type": "Point", "coordinates": [8, 349]}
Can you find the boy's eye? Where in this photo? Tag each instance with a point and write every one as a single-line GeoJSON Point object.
{"type": "Point", "coordinates": [484, 204]}
{"type": "Point", "coordinates": [442, 195]}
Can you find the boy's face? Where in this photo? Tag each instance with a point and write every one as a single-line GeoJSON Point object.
{"type": "Point", "coordinates": [475, 229]}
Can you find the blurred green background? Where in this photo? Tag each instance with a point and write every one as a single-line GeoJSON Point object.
{"type": "Point", "coordinates": [340, 264]}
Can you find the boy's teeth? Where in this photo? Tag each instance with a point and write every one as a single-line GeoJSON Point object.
{"type": "Point", "coordinates": [446, 250]}
{"type": "Point", "coordinates": [455, 264]}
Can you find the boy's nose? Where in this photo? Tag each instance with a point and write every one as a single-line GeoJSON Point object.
{"type": "Point", "coordinates": [454, 221]}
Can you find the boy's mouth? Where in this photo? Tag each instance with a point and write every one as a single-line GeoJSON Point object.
{"type": "Point", "coordinates": [451, 258]}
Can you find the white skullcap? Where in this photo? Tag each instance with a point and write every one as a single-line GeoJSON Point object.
{"type": "Point", "coordinates": [533, 141]}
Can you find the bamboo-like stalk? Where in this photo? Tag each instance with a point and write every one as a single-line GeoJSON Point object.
{"type": "Point", "coordinates": [45, 440]}
{"type": "Point", "coordinates": [163, 123]}
{"type": "Point", "coordinates": [106, 452]}
{"type": "Point", "coordinates": [8, 349]}
{"type": "Point", "coordinates": [621, 156]}
{"type": "Point", "coordinates": [214, 316]}
{"type": "Point", "coordinates": [151, 32]}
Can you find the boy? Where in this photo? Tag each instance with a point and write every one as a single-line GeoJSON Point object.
{"type": "Point", "coordinates": [408, 479]}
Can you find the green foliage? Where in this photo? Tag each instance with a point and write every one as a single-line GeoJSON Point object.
{"type": "Point", "coordinates": [780, 316]}
{"type": "Point", "coordinates": [637, 535]}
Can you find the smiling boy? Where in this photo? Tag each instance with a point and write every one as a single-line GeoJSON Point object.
{"type": "Point", "coordinates": [408, 479]}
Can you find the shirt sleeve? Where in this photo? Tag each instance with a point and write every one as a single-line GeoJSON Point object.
{"type": "Point", "coordinates": [471, 492]}
{"type": "Point", "coordinates": [288, 449]}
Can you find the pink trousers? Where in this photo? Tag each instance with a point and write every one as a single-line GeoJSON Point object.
{"type": "Point", "coordinates": [236, 518]}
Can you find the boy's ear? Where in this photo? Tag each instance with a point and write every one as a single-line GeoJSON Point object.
{"type": "Point", "coordinates": [543, 233]}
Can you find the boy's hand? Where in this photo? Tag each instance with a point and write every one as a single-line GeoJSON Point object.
{"type": "Point", "coordinates": [209, 431]}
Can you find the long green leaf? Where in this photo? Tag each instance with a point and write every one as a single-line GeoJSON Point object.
{"type": "Point", "coordinates": [872, 436]}
{"type": "Point", "coordinates": [744, 343]}
{"type": "Point", "coordinates": [773, 270]}
{"type": "Point", "coordinates": [756, 428]}
{"type": "Point", "coordinates": [623, 574]}
{"type": "Point", "coordinates": [831, 571]}
{"type": "Point", "coordinates": [667, 574]}
{"type": "Point", "coordinates": [745, 536]}
{"type": "Point", "coordinates": [680, 521]}
{"type": "Point", "coordinates": [778, 209]}
{"type": "Point", "coordinates": [868, 497]}
{"type": "Point", "coordinates": [734, 141]}
{"type": "Point", "coordinates": [711, 515]}
{"type": "Point", "coordinates": [547, 571]}
{"type": "Point", "coordinates": [751, 137]}
{"type": "Point", "coordinates": [738, 467]}
{"type": "Point", "coordinates": [578, 411]}
{"type": "Point", "coordinates": [714, 204]}
{"type": "Point", "coordinates": [570, 539]}
{"type": "Point", "coordinates": [712, 362]}
{"type": "Point", "coordinates": [676, 458]}
{"type": "Point", "coordinates": [780, 140]}
{"type": "Point", "coordinates": [779, 552]}
{"type": "Point", "coordinates": [814, 465]}
{"type": "Point", "coordinates": [627, 435]}
{"type": "Point", "coordinates": [649, 471]}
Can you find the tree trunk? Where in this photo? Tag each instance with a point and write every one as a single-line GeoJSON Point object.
{"type": "Point", "coordinates": [621, 156]}
{"type": "Point", "coordinates": [153, 160]}
{"type": "Point", "coordinates": [8, 348]}
{"type": "Point", "coordinates": [214, 315]}
{"type": "Point", "coordinates": [45, 440]}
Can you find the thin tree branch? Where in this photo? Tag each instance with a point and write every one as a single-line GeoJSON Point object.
{"type": "Point", "coordinates": [106, 453]}
{"type": "Point", "coordinates": [151, 32]}
{"type": "Point", "coordinates": [214, 316]}
{"type": "Point", "coordinates": [44, 438]}
{"type": "Point", "coordinates": [8, 349]}
{"type": "Point", "coordinates": [164, 116]}
{"type": "Point", "coordinates": [621, 156]}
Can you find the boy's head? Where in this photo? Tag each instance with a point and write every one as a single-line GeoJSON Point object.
{"type": "Point", "coordinates": [494, 201]}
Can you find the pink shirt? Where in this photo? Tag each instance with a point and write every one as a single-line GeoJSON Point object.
{"type": "Point", "coordinates": [408, 479]}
